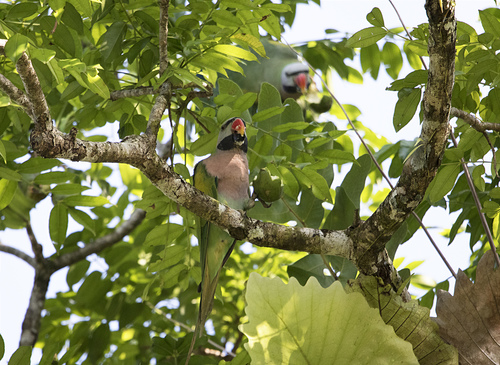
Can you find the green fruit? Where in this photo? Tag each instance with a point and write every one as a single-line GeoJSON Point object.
{"type": "Point", "coordinates": [268, 187]}
{"type": "Point", "coordinates": [323, 106]}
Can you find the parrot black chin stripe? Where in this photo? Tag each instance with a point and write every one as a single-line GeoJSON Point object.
{"type": "Point", "coordinates": [234, 141]}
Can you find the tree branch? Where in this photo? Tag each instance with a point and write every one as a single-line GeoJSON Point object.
{"type": "Point", "coordinates": [35, 246]}
{"type": "Point", "coordinates": [16, 95]}
{"type": "Point", "coordinates": [39, 108]}
{"type": "Point", "coordinates": [163, 33]}
{"type": "Point", "coordinates": [32, 318]}
{"type": "Point", "coordinates": [18, 253]}
{"type": "Point", "coordinates": [101, 243]}
{"type": "Point", "coordinates": [474, 122]}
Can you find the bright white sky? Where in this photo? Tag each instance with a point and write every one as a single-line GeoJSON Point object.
{"type": "Point", "coordinates": [376, 105]}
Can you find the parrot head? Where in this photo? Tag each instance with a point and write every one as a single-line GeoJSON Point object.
{"type": "Point", "coordinates": [295, 78]}
{"type": "Point", "coordinates": [232, 135]}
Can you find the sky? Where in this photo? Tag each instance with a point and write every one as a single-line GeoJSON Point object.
{"type": "Point", "coordinates": [376, 105]}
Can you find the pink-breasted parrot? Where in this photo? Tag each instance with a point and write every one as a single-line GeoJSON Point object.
{"type": "Point", "coordinates": [223, 176]}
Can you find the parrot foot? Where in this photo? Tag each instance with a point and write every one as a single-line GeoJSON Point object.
{"type": "Point", "coordinates": [256, 197]}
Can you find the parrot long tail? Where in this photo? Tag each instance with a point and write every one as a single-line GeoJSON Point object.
{"type": "Point", "coordinates": [207, 290]}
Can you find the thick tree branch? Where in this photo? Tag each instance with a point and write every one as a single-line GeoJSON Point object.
{"type": "Point", "coordinates": [101, 243]}
{"type": "Point", "coordinates": [18, 253]}
{"type": "Point", "coordinates": [421, 167]}
{"type": "Point", "coordinates": [474, 122]}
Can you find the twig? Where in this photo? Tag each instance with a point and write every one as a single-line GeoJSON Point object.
{"type": "Point", "coordinates": [19, 254]}
{"type": "Point", "coordinates": [474, 122]}
{"type": "Point", "coordinates": [478, 204]}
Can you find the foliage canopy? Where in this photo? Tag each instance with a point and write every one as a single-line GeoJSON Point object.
{"type": "Point", "coordinates": [104, 66]}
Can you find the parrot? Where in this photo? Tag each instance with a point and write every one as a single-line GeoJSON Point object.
{"type": "Point", "coordinates": [223, 176]}
{"type": "Point", "coordinates": [281, 69]}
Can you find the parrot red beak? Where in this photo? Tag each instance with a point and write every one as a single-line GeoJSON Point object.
{"type": "Point", "coordinates": [301, 81]}
{"type": "Point", "coordinates": [238, 126]}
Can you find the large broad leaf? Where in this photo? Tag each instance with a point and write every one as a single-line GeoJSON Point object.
{"type": "Point", "coordinates": [294, 324]}
{"type": "Point", "coordinates": [470, 320]}
{"type": "Point", "coordinates": [410, 321]}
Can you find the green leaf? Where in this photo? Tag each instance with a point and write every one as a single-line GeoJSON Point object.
{"type": "Point", "coordinates": [85, 201]}
{"type": "Point", "coordinates": [443, 182]}
{"type": "Point", "coordinates": [267, 114]}
{"type": "Point", "coordinates": [310, 266]}
{"type": "Point", "coordinates": [477, 177]}
{"type": "Point", "coordinates": [16, 46]}
{"type": "Point", "coordinates": [366, 37]}
{"type": "Point", "coordinates": [72, 18]}
{"type": "Point", "coordinates": [7, 190]}
{"type": "Point", "coordinates": [6, 173]}
{"type": "Point", "coordinates": [76, 272]}
{"type": "Point", "coordinates": [406, 107]}
{"type": "Point", "coordinates": [290, 184]}
{"type": "Point", "coordinates": [83, 218]}
{"type": "Point", "coordinates": [225, 18]}
{"type": "Point", "coordinates": [234, 51]}
{"type": "Point", "coordinates": [53, 177]}
{"type": "Point", "coordinates": [490, 23]}
{"type": "Point", "coordinates": [375, 18]}
{"type": "Point", "coordinates": [111, 41]}
{"type": "Point", "coordinates": [354, 181]}
{"type": "Point", "coordinates": [68, 189]}
{"type": "Point", "coordinates": [279, 316]}
{"type": "Point", "coordinates": [337, 157]}
{"type": "Point", "coordinates": [97, 85]}
{"type": "Point", "coordinates": [342, 214]}
{"type": "Point", "coordinates": [370, 59]}
{"type": "Point", "coordinates": [391, 56]}
{"type": "Point", "coordinates": [320, 188]}
{"type": "Point", "coordinates": [37, 164]}
{"type": "Point", "coordinates": [22, 356]}
{"type": "Point", "coordinates": [93, 290]}
{"type": "Point", "coordinates": [58, 223]}
{"type": "Point", "coordinates": [22, 10]}
{"type": "Point", "coordinates": [285, 127]}
{"type": "Point", "coordinates": [2, 347]}
{"type": "Point", "coordinates": [245, 101]}
{"type": "Point", "coordinates": [204, 145]}
{"type": "Point", "coordinates": [163, 234]}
